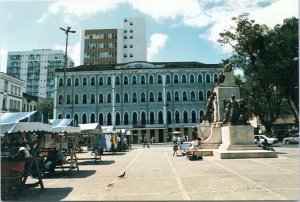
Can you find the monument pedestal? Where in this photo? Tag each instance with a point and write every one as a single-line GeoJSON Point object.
{"type": "Point", "coordinates": [238, 142]}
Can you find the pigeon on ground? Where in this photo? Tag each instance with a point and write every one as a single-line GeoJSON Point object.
{"type": "Point", "coordinates": [122, 175]}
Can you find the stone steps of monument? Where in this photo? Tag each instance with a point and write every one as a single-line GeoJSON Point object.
{"type": "Point", "coordinates": [239, 154]}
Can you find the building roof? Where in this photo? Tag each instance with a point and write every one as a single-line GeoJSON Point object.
{"type": "Point", "coordinates": [140, 65]}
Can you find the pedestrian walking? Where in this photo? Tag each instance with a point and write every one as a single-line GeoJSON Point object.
{"type": "Point", "coordinates": [145, 142]}
{"type": "Point", "coordinates": [175, 149]}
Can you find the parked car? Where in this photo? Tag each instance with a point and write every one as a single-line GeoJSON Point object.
{"type": "Point", "coordinates": [258, 139]}
{"type": "Point", "coordinates": [294, 139]}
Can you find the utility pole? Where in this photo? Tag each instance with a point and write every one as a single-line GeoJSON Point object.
{"type": "Point", "coordinates": [65, 68]}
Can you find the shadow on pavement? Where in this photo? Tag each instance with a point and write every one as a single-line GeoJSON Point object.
{"type": "Point", "coordinates": [38, 194]}
{"type": "Point", "coordinates": [71, 174]}
{"type": "Point", "coordinates": [92, 162]}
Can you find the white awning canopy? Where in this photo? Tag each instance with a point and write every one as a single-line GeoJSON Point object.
{"type": "Point", "coordinates": [64, 126]}
{"type": "Point", "coordinates": [24, 122]}
{"type": "Point", "coordinates": [93, 128]}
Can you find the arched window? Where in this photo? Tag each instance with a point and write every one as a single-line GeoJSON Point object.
{"type": "Point", "coordinates": [61, 82]}
{"type": "Point", "coordinates": [143, 80]}
{"type": "Point", "coordinates": [215, 78]}
{"type": "Point", "coordinates": [183, 78]}
{"type": "Point", "coordinates": [76, 81]}
{"type": "Point", "coordinates": [169, 117]}
{"type": "Point", "coordinates": [84, 81]}
{"type": "Point", "coordinates": [192, 78]}
{"type": "Point", "coordinates": [208, 94]}
{"type": "Point", "coordinates": [125, 80]}
{"type": "Point", "coordinates": [92, 118]}
{"type": "Point", "coordinates": [176, 78]}
{"type": "Point", "coordinates": [133, 79]}
{"type": "Point", "coordinates": [151, 79]}
{"type": "Point", "coordinates": [177, 117]}
{"type": "Point", "coordinates": [69, 82]}
{"type": "Point", "coordinates": [84, 99]}
{"type": "Point", "coordinates": [201, 96]}
{"type": "Point", "coordinates": [207, 78]}
{"type": "Point", "coordinates": [92, 98]}
{"type": "Point", "coordinates": [101, 98]}
{"type": "Point", "coordinates": [60, 99]}
{"type": "Point", "coordinates": [126, 120]}
{"type": "Point", "coordinates": [126, 97]}
{"type": "Point", "coordinates": [160, 118]}
{"type": "Point", "coordinates": [151, 99]}
{"type": "Point", "coordinates": [200, 79]}
{"type": "Point", "coordinates": [134, 118]}
{"type": "Point", "coordinates": [193, 96]}
{"type": "Point", "coordinates": [108, 81]}
{"type": "Point", "coordinates": [83, 118]}
{"type": "Point", "coordinates": [109, 122]}
{"type": "Point", "coordinates": [168, 78]}
{"type": "Point", "coordinates": [159, 97]}
{"type": "Point", "coordinates": [117, 80]}
{"type": "Point", "coordinates": [176, 96]}
{"type": "Point", "coordinates": [76, 118]}
{"type": "Point", "coordinates": [201, 115]}
{"type": "Point", "coordinates": [134, 97]}
{"type": "Point", "coordinates": [118, 118]}
{"type": "Point", "coordinates": [59, 116]}
{"type": "Point", "coordinates": [159, 79]}
{"type": "Point", "coordinates": [185, 117]}
{"type": "Point", "coordinates": [151, 117]}
{"type": "Point", "coordinates": [93, 82]}
{"type": "Point", "coordinates": [101, 119]}
{"type": "Point", "coordinates": [68, 99]}
{"type": "Point", "coordinates": [76, 100]}
{"type": "Point", "coordinates": [143, 97]}
{"type": "Point", "coordinates": [108, 98]}
{"type": "Point", "coordinates": [68, 116]}
{"type": "Point", "coordinates": [117, 98]}
{"type": "Point", "coordinates": [193, 116]}
{"type": "Point", "coordinates": [100, 81]}
{"type": "Point", "coordinates": [184, 96]}
{"type": "Point", "coordinates": [169, 96]}
{"type": "Point", "coordinates": [143, 120]}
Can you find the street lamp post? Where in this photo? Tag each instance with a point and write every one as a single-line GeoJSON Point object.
{"type": "Point", "coordinates": [65, 67]}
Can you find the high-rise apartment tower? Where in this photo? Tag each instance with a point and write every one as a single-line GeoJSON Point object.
{"type": "Point", "coordinates": [111, 46]}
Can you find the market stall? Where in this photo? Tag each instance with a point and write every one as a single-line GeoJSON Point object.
{"type": "Point", "coordinates": [109, 139]}
{"type": "Point", "coordinates": [64, 142]}
{"type": "Point", "coordinates": [93, 131]}
{"type": "Point", "coordinates": [21, 139]}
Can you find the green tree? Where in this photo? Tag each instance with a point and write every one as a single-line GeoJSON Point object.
{"type": "Point", "coordinates": [269, 59]}
{"type": "Point", "coordinates": [46, 107]}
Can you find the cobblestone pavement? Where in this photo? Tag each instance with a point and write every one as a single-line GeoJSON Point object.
{"type": "Point", "coordinates": [154, 174]}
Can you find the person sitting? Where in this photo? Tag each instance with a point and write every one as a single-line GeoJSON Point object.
{"type": "Point", "coordinates": [266, 145]}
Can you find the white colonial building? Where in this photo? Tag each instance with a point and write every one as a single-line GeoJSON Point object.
{"type": "Point", "coordinates": [11, 92]}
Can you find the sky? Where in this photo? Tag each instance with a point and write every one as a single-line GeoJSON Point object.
{"type": "Point", "coordinates": [176, 30]}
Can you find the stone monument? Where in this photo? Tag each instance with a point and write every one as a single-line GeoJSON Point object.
{"type": "Point", "coordinates": [224, 128]}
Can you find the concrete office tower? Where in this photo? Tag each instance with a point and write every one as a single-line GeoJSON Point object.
{"type": "Point", "coordinates": [37, 69]}
{"type": "Point", "coordinates": [111, 46]}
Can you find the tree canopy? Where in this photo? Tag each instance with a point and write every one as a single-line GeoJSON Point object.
{"type": "Point", "coordinates": [269, 59]}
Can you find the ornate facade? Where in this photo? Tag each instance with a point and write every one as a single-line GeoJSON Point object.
{"type": "Point", "coordinates": [150, 99]}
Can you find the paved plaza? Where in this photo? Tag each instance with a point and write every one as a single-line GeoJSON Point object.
{"type": "Point", "coordinates": [154, 174]}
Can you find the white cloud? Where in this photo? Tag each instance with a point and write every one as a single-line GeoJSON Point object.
{"type": "Point", "coordinates": [157, 42]}
{"type": "Point", "coordinates": [3, 59]}
{"type": "Point", "coordinates": [73, 51]}
{"type": "Point", "coordinates": [215, 15]}
{"type": "Point", "coordinates": [42, 18]}
{"type": "Point", "coordinates": [79, 8]}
